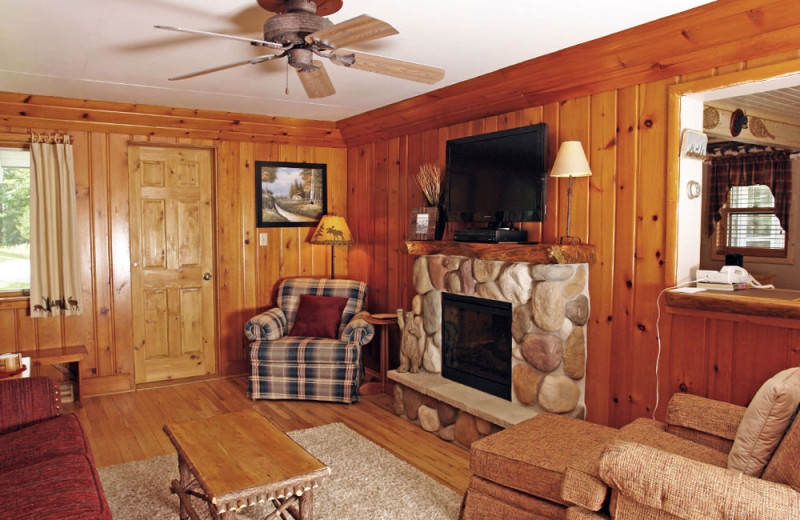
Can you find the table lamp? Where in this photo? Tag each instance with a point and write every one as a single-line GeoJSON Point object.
{"type": "Point", "coordinates": [570, 162]}
{"type": "Point", "coordinates": [332, 231]}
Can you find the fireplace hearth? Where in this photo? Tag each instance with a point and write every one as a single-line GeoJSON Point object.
{"type": "Point", "coordinates": [476, 343]}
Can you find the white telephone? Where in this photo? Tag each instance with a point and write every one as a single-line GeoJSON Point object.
{"type": "Point", "coordinates": [730, 274]}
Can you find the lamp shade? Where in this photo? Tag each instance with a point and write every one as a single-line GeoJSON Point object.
{"type": "Point", "coordinates": [571, 161]}
{"type": "Point", "coordinates": [332, 231]}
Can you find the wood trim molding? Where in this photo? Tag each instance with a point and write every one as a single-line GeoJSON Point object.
{"type": "Point", "coordinates": [674, 95]}
{"type": "Point", "coordinates": [29, 111]}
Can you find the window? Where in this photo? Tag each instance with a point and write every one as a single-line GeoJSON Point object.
{"type": "Point", "coordinates": [15, 178]}
{"type": "Point", "coordinates": [749, 225]}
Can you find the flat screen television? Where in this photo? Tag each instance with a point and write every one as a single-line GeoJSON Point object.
{"type": "Point", "coordinates": [498, 178]}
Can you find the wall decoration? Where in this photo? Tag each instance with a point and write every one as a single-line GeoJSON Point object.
{"type": "Point", "coordinates": [693, 144]}
{"type": "Point", "coordinates": [290, 194]}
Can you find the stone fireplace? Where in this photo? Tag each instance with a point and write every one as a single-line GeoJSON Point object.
{"type": "Point", "coordinates": [549, 308]}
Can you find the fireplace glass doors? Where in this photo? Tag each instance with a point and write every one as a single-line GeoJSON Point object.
{"type": "Point", "coordinates": [476, 343]}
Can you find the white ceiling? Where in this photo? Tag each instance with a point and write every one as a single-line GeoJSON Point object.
{"type": "Point", "coordinates": [108, 49]}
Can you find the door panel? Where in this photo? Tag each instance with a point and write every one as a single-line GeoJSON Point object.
{"type": "Point", "coordinates": [171, 250]}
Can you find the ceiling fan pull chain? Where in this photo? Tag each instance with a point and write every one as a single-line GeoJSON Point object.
{"type": "Point", "coordinates": [287, 77]}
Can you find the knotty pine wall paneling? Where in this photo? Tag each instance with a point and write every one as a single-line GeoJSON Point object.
{"type": "Point", "coordinates": [246, 273]}
{"type": "Point", "coordinates": [622, 209]}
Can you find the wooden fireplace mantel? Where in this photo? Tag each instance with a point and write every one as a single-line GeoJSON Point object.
{"type": "Point", "coordinates": [507, 252]}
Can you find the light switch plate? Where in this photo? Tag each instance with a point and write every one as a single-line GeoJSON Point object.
{"type": "Point", "coordinates": [262, 239]}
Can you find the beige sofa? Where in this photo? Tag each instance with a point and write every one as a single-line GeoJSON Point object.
{"type": "Point", "coordinates": [554, 467]}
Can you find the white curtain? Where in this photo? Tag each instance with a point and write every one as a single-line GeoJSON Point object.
{"type": "Point", "coordinates": [55, 258]}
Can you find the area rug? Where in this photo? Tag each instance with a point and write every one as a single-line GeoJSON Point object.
{"type": "Point", "coordinates": [366, 482]}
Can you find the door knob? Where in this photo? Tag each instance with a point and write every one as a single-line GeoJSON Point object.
{"type": "Point", "coordinates": [207, 276]}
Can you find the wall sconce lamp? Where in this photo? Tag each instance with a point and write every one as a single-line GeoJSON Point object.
{"type": "Point", "coordinates": [570, 162]}
{"type": "Point", "coordinates": [332, 231]}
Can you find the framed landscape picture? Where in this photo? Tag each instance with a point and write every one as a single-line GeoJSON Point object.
{"type": "Point", "coordinates": [290, 194]}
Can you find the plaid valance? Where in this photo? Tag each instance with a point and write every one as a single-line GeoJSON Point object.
{"type": "Point", "coordinates": [772, 169]}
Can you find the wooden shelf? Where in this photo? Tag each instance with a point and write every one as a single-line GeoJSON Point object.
{"type": "Point", "coordinates": [771, 303]}
{"type": "Point", "coordinates": [51, 356]}
{"type": "Point", "coordinates": [507, 252]}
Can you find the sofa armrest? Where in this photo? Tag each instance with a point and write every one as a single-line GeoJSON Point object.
{"type": "Point", "coordinates": [687, 413]}
{"type": "Point", "coordinates": [267, 326]}
{"type": "Point", "coordinates": [27, 401]}
{"type": "Point", "coordinates": [358, 330]}
{"type": "Point", "coordinates": [689, 489]}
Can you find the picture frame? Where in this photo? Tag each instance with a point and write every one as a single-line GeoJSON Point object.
{"type": "Point", "coordinates": [424, 223]}
{"type": "Point", "coordinates": [290, 194]}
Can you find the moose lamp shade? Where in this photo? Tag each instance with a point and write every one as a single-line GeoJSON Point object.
{"type": "Point", "coordinates": [570, 162]}
{"type": "Point", "coordinates": [332, 231]}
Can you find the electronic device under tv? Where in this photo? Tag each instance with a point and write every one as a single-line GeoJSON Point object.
{"type": "Point", "coordinates": [497, 179]}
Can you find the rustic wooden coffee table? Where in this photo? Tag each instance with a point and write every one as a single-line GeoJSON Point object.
{"type": "Point", "coordinates": [237, 460]}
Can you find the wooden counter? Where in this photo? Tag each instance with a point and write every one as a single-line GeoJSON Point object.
{"type": "Point", "coordinates": [507, 252]}
{"type": "Point", "coordinates": [724, 345]}
{"type": "Point", "coordinates": [775, 303]}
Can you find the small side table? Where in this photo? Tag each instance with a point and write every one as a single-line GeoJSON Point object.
{"type": "Point", "coordinates": [61, 358]}
{"type": "Point", "coordinates": [379, 387]}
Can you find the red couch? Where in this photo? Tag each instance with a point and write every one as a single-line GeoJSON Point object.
{"type": "Point", "coordinates": [46, 467]}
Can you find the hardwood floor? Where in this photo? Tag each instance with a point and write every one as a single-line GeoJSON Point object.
{"type": "Point", "coordinates": [127, 427]}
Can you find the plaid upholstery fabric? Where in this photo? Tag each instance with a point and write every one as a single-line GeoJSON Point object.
{"type": "Point", "coordinates": [317, 369]}
{"type": "Point", "coordinates": [27, 401]}
{"type": "Point", "coordinates": [301, 350]}
{"type": "Point", "coordinates": [267, 326]}
{"type": "Point", "coordinates": [330, 382]}
{"type": "Point", "coordinates": [687, 488]}
{"type": "Point", "coordinates": [289, 292]}
{"type": "Point", "coordinates": [772, 169]}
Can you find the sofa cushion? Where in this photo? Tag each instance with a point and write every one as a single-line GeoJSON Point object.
{"type": "Point", "coordinates": [63, 488]}
{"type": "Point", "coordinates": [318, 316]}
{"type": "Point", "coordinates": [27, 401]}
{"type": "Point", "coordinates": [784, 467]}
{"type": "Point", "coordinates": [485, 499]}
{"type": "Point", "coordinates": [765, 422]}
{"type": "Point", "coordinates": [652, 433]}
{"type": "Point", "coordinates": [533, 455]}
{"type": "Point", "coordinates": [50, 439]}
{"type": "Point", "coordinates": [289, 292]}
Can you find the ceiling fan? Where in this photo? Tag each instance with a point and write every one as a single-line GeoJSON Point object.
{"type": "Point", "coordinates": [299, 32]}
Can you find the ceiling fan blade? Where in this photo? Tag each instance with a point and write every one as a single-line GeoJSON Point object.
{"type": "Point", "coordinates": [391, 67]}
{"type": "Point", "coordinates": [316, 82]}
{"type": "Point", "coordinates": [251, 61]}
{"type": "Point", "coordinates": [257, 43]}
{"type": "Point", "coordinates": [359, 29]}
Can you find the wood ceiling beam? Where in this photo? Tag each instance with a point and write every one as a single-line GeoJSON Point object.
{"type": "Point", "coordinates": [719, 33]}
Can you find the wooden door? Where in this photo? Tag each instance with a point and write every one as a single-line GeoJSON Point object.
{"type": "Point", "coordinates": [172, 262]}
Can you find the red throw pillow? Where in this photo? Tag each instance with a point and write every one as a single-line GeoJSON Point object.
{"type": "Point", "coordinates": [318, 316]}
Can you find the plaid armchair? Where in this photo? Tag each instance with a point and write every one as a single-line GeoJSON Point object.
{"type": "Point", "coordinates": [304, 367]}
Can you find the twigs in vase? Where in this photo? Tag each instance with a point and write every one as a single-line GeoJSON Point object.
{"type": "Point", "coordinates": [429, 178]}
